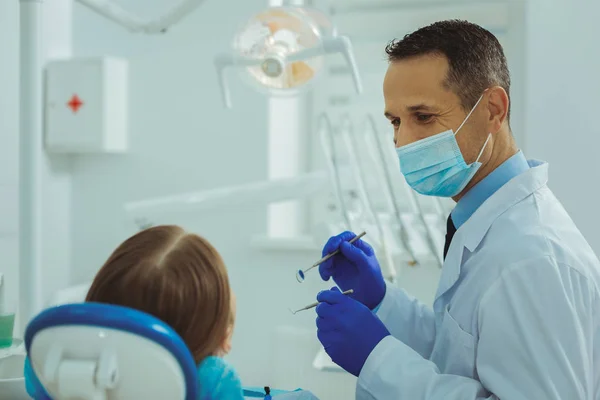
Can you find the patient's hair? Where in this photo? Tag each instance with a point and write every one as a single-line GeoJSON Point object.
{"type": "Point", "coordinates": [175, 276]}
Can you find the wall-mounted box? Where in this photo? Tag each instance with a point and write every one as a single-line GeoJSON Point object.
{"type": "Point", "coordinates": [86, 105]}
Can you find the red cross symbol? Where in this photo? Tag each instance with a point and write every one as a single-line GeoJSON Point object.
{"type": "Point", "coordinates": [75, 103]}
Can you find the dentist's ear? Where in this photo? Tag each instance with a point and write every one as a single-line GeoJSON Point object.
{"type": "Point", "coordinates": [498, 106]}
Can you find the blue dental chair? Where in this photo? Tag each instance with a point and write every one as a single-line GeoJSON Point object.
{"type": "Point", "coordinates": [92, 351]}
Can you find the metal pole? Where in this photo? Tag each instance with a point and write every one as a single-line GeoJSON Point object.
{"type": "Point", "coordinates": [30, 157]}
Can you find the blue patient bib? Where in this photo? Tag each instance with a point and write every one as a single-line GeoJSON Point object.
{"type": "Point", "coordinates": [218, 380]}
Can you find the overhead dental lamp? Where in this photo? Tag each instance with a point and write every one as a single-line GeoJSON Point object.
{"type": "Point", "coordinates": [280, 51]}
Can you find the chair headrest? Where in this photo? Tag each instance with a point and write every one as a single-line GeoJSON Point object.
{"type": "Point", "coordinates": [87, 350]}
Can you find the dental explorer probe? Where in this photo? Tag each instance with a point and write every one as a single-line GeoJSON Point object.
{"type": "Point", "coordinates": [313, 305]}
{"type": "Point", "coordinates": [300, 274]}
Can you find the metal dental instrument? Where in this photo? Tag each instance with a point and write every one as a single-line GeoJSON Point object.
{"type": "Point", "coordinates": [300, 274]}
{"type": "Point", "coordinates": [378, 154]}
{"type": "Point", "coordinates": [361, 179]}
{"type": "Point", "coordinates": [313, 305]}
{"type": "Point", "coordinates": [332, 160]}
{"type": "Point", "coordinates": [416, 206]}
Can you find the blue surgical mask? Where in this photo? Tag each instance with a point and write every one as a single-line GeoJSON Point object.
{"type": "Point", "coordinates": [435, 166]}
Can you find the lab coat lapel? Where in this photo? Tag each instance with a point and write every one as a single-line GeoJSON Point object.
{"type": "Point", "coordinates": [452, 263]}
{"type": "Point", "coordinates": [472, 232]}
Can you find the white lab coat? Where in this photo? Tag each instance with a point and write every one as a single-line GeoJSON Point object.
{"type": "Point", "coordinates": [516, 314]}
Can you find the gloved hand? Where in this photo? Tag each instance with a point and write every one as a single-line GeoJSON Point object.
{"type": "Point", "coordinates": [355, 267]}
{"type": "Point", "coordinates": [347, 329]}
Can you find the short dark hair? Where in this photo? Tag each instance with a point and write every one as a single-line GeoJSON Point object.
{"type": "Point", "coordinates": [475, 57]}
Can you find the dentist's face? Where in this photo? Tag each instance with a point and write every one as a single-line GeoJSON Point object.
{"type": "Point", "coordinates": [419, 104]}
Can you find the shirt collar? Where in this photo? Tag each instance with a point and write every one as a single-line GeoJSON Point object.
{"type": "Point", "coordinates": [475, 228]}
{"type": "Point", "coordinates": [475, 197]}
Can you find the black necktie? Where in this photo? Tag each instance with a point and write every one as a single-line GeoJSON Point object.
{"type": "Point", "coordinates": [450, 231]}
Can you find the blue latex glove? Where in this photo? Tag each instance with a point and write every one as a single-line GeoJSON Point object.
{"type": "Point", "coordinates": [347, 329]}
{"type": "Point", "coordinates": [355, 267]}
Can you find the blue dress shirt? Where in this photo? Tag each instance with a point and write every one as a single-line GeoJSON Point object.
{"type": "Point", "coordinates": [475, 197]}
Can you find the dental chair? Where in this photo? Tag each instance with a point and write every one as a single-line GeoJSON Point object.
{"type": "Point", "coordinates": [92, 351]}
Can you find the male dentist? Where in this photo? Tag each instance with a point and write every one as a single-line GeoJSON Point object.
{"type": "Point", "coordinates": [517, 312]}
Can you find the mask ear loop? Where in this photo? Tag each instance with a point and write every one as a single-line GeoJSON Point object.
{"type": "Point", "coordinates": [470, 112]}
{"type": "Point", "coordinates": [484, 145]}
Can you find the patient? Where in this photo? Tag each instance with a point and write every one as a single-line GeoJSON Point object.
{"type": "Point", "coordinates": [181, 279]}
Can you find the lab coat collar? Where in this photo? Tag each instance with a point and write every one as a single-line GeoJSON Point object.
{"type": "Point", "coordinates": [472, 232]}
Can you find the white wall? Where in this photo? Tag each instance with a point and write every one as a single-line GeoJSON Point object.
{"type": "Point", "coordinates": [182, 139]}
{"type": "Point", "coordinates": [53, 172]}
{"type": "Point", "coordinates": [9, 146]}
{"type": "Point", "coordinates": [563, 86]}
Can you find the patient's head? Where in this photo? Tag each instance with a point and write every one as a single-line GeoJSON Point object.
{"type": "Point", "coordinates": [179, 278]}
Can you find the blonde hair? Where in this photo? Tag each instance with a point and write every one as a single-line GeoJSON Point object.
{"type": "Point", "coordinates": [175, 276]}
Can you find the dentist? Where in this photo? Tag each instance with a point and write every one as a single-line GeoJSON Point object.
{"type": "Point", "coordinates": [517, 311]}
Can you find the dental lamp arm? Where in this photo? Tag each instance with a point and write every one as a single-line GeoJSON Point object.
{"type": "Point", "coordinates": [332, 45]}
{"type": "Point", "coordinates": [254, 193]}
{"type": "Point", "coordinates": [133, 23]}
{"type": "Point", "coordinates": [225, 61]}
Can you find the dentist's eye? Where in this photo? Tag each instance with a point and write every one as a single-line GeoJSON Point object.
{"type": "Point", "coordinates": [423, 117]}
{"type": "Point", "coordinates": [396, 123]}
